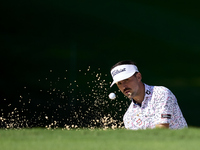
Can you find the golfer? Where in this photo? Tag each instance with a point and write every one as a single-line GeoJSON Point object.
{"type": "Point", "coordinates": [151, 106]}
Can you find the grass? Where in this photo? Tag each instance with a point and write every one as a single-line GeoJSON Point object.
{"type": "Point", "coordinates": [99, 139]}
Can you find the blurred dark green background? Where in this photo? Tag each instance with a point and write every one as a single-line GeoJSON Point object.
{"type": "Point", "coordinates": [162, 37]}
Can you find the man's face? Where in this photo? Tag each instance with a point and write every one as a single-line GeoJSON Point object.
{"type": "Point", "coordinates": [130, 86]}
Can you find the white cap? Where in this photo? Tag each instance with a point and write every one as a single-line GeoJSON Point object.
{"type": "Point", "coordinates": [122, 72]}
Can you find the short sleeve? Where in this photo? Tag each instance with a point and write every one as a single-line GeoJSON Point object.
{"type": "Point", "coordinates": [165, 101]}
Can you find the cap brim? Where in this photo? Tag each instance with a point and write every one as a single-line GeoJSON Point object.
{"type": "Point", "coordinates": [112, 83]}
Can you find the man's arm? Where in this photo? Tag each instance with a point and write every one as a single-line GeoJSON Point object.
{"type": "Point", "coordinates": [163, 125]}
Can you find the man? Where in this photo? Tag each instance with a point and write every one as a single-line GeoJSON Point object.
{"type": "Point", "coordinates": [151, 106]}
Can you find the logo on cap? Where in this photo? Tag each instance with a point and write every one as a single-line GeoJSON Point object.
{"type": "Point", "coordinates": [115, 72]}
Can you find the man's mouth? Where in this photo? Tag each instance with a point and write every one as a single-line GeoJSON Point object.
{"type": "Point", "coordinates": [127, 91]}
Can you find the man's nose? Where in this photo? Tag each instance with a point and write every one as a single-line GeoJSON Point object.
{"type": "Point", "coordinates": [124, 85]}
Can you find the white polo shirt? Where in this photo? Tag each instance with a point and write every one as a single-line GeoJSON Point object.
{"type": "Point", "coordinates": [159, 106]}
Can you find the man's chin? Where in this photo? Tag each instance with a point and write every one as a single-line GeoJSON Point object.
{"type": "Point", "coordinates": [129, 95]}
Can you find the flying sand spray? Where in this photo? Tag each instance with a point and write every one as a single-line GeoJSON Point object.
{"type": "Point", "coordinates": [74, 104]}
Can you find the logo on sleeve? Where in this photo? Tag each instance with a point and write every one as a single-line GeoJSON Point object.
{"type": "Point", "coordinates": [168, 116]}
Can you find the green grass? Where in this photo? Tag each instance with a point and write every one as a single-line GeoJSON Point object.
{"type": "Point", "coordinates": [98, 139]}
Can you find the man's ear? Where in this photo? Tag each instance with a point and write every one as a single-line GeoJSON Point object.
{"type": "Point", "coordinates": [139, 76]}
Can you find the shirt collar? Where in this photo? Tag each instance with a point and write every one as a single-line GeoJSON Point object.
{"type": "Point", "coordinates": [148, 91]}
{"type": "Point", "coordinates": [148, 94]}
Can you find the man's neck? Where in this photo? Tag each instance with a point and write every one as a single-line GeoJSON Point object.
{"type": "Point", "coordinates": [141, 93]}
